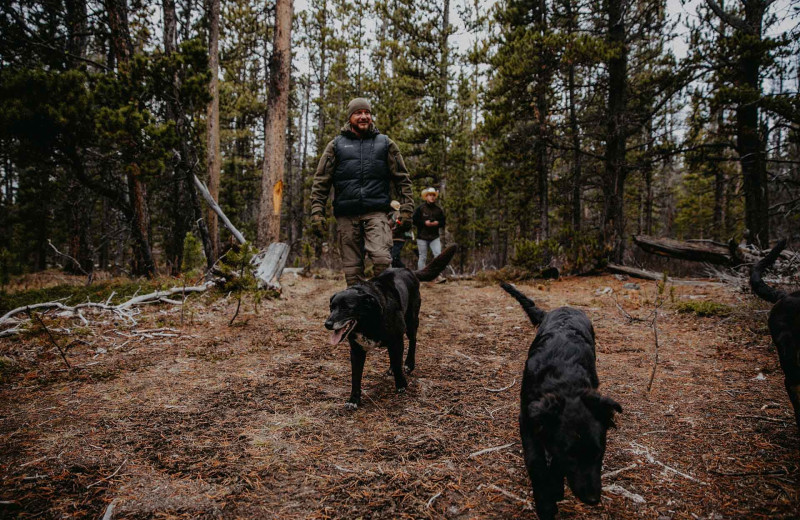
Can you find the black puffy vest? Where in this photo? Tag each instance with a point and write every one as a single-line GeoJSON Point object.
{"type": "Point", "coordinates": [361, 177]}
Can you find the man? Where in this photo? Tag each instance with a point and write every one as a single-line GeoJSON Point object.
{"type": "Point", "coordinates": [399, 235]}
{"type": "Point", "coordinates": [362, 165]}
{"type": "Point", "coordinates": [428, 218]}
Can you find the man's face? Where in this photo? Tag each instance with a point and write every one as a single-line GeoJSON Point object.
{"type": "Point", "coordinates": [360, 120]}
{"type": "Point", "coordinates": [430, 197]}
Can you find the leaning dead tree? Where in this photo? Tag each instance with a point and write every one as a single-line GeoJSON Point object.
{"type": "Point", "coordinates": [268, 264]}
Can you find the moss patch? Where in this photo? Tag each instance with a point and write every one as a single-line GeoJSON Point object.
{"type": "Point", "coordinates": [704, 308]}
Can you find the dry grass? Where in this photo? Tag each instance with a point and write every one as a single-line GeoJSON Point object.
{"type": "Point", "coordinates": [248, 421]}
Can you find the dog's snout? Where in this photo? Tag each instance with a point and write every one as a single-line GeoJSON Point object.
{"type": "Point", "coordinates": [329, 324]}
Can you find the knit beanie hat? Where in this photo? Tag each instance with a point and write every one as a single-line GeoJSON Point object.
{"type": "Point", "coordinates": [357, 104]}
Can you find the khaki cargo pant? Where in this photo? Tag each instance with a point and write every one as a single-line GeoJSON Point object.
{"type": "Point", "coordinates": [364, 235]}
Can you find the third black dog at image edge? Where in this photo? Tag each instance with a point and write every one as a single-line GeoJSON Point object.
{"type": "Point", "coordinates": [563, 419]}
{"type": "Point", "coordinates": [379, 312]}
{"type": "Point", "coordinates": [784, 325]}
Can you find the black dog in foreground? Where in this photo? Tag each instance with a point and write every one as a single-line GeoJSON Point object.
{"type": "Point", "coordinates": [784, 325]}
{"type": "Point", "coordinates": [379, 312]}
{"type": "Point", "coordinates": [563, 419]}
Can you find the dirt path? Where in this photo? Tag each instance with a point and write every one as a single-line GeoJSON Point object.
{"type": "Point", "coordinates": [248, 421]}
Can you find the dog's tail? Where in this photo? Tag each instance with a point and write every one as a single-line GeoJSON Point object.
{"type": "Point", "coordinates": [535, 314]}
{"type": "Point", "coordinates": [437, 265]}
{"type": "Point", "coordinates": [760, 288]}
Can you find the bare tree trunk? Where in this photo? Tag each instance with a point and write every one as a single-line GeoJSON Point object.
{"type": "Point", "coordinates": [213, 162]}
{"type": "Point", "coordinates": [269, 215]}
{"type": "Point", "coordinates": [442, 102]}
{"type": "Point", "coordinates": [750, 142]}
{"type": "Point", "coordinates": [576, 152]}
{"type": "Point", "coordinates": [542, 84]}
{"type": "Point", "coordinates": [323, 62]}
{"type": "Point", "coordinates": [616, 136]}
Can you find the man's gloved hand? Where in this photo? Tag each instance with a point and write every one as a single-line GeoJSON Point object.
{"type": "Point", "coordinates": [318, 225]}
{"type": "Point", "coordinates": [404, 222]}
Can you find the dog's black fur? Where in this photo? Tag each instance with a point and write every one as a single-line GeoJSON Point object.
{"type": "Point", "coordinates": [380, 311]}
{"type": "Point", "coordinates": [784, 325]}
{"type": "Point", "coordinates": [563, 419]}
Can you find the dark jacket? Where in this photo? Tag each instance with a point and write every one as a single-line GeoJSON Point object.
{"type": "Point", "coordinates": [428, 211]}
{"type": "Point", "coordinates": [361, 171]}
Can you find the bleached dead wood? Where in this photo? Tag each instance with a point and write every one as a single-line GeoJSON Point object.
{"type": "Point", "coordinates": [434, 497]}
{"type": "Point", "coordinates": [638, 449]}
{"type": "Point", "coordinates": [490, 450]}
{"type": "Point", "coordinates": [616, 489]}
{"type": "Point", "coordinates": [618, 471]}
{"type": "Point", "coordinates": [497, 390]}
{"type": "Point", "coordinates": [123, 310]}
{"type": "Point", "coordinates": [527, 503]}
{"type": "Point", "coordinates": [268, 265]}
{"type": "Point", "coordinates": [201, 187]}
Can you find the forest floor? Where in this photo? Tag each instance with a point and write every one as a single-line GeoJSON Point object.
{"type": "Point", "coordinates": [184, 416]}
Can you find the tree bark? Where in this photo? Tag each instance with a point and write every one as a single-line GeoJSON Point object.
{"type": "Point", "coordinates": [213, 162]}
{"type": "Point", "coordinates": [616, 134]}
{"type": "Point", "coordinates": [542, 165]}
{"type": "Point", "coordinates": [269, 215]}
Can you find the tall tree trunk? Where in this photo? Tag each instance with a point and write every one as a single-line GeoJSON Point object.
{"type": "Point", "coordinates": [442, 97]}
{"type": "Point", "coordinates": [540, 151]}
{"type": "Point", "coordinates": [213, 162]}
{"type": "Point", "coordinates": [323, 62]}
{"type": "Point", "coordinates": [122, 46]}
{"type": "Point", "coordinates": [749, 141]}
{"type": "Point", "coordinates": [616, 133]}
{"type": "Point", "coordinates": [576, 153]}
{"type": "Point", "coordinates": [269, 214]}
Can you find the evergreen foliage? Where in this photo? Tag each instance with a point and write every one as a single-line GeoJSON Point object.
{"type": "Point", "coordinates": [561, 128]}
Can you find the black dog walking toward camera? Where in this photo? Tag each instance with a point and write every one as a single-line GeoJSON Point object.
{"type": "Point", "coordinates": [784, 325]}
{"type": "Point", "coordinates": [379, 312]}
{"type": "Point", "coordinates": [563, 419]}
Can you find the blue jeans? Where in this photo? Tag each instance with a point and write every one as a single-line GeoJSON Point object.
{"type": "Point", "coordinates": [423, 246]}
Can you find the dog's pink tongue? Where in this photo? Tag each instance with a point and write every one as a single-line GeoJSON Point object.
{"type": "Point", "coordinates": [336, 336]}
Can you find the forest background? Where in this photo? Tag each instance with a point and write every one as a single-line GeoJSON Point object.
{"type": "Point", "coordinates": [562, 128]}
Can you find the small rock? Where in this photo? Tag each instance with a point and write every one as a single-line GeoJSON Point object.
{"type": "Point", "coordinates": [604, 290]}
{"type": "Point", "coordinates": [632, 286]}
{"type": "Point", "coordinates": [621, 277]}
{"type": "Point", "coordinates": [760, 377]}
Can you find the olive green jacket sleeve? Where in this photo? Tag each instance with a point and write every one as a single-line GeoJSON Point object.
{"type": "Point", "coordinates": [323, 179]}
{"type": "Point", "coordinates": [401, 179]}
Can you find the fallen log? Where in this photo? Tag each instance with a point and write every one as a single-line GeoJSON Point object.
{"type": "Point", "coordinates": [710, 252]}
{"type": "Point", "coordinates": [655, 275]}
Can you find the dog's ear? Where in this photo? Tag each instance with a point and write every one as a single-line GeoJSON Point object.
{"type": "Point", "coordinates": [370, 302]}
{"type": "Point", "coordinates": [545, 410]}
{"type": "Point", "coordinates": [602, 407]}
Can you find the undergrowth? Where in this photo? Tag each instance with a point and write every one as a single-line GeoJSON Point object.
{"type": "Point", "coordinates": [98, 292]}
{"type": "Point", "coordinates": [704, 309]}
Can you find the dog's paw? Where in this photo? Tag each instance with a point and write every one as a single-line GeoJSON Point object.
{"type": "Point", "coordinates": [408, 369]}
{"type": "Point", "coordinates": [350, 406]}
{"type": "Point", "coordinates": [402, 390]}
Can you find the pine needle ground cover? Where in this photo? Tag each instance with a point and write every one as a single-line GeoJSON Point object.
{"type": "Point", "coordinates": [183, 416]}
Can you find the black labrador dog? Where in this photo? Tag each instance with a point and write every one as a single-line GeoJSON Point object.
{"type": "Point", "coordinates": [563, 419]}
{"type": "Point", "coordinates": [784, 325]}
{"type": "Point", "coordinates": [379, 312]}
